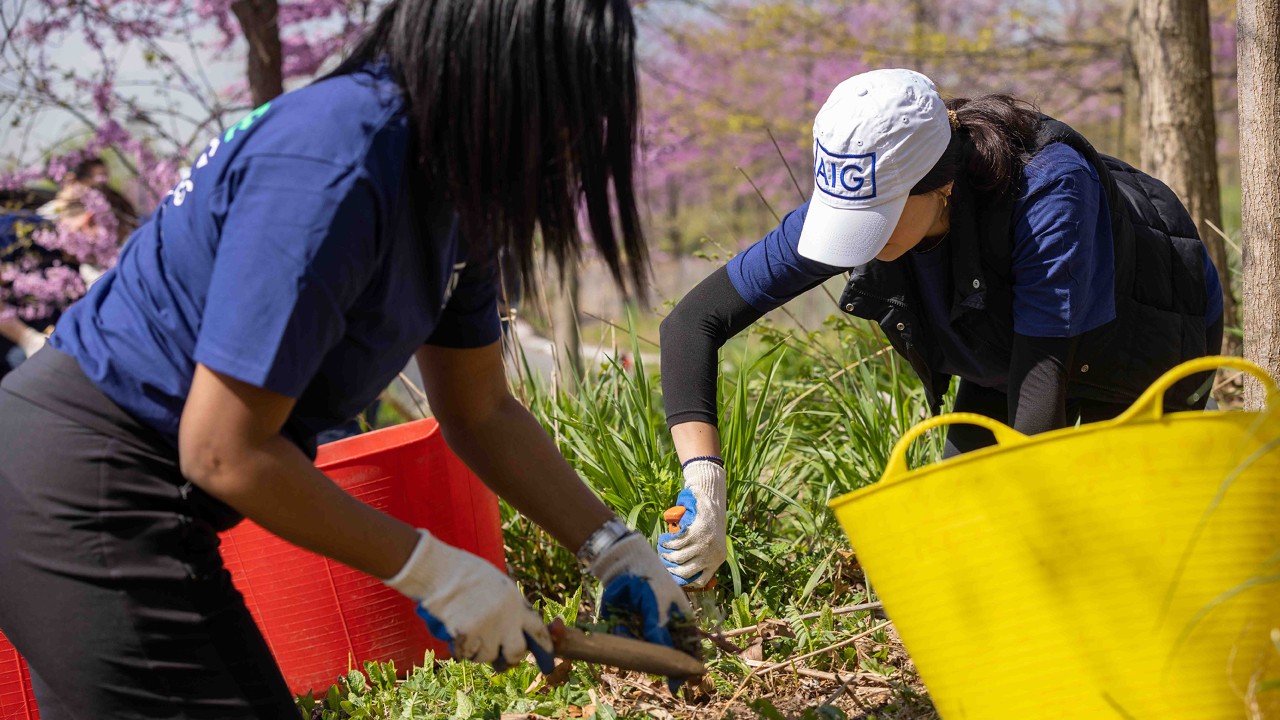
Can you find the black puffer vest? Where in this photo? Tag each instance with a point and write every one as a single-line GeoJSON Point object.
{"type": "Point", "coordinates": [1159, 286]}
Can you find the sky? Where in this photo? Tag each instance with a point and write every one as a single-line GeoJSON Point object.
{"type": "Point", "coordinates": [20, 144]}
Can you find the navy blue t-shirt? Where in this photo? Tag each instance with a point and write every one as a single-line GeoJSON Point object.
{"type": "Point", "coordinates": [1063, 265]}
{"type": "Point", "coordinates": [290, 260]}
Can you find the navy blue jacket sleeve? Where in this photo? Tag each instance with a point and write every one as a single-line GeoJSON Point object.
{"type": "Point", "coordinates": [772, 271]}
{"type": "Point", "coordinates": [763, 277]}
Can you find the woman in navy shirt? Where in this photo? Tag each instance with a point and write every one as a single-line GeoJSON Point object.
{"type": "Point", "coordinates": [318, 244]}
{"type": "Point", "coordinates": [990, 243]}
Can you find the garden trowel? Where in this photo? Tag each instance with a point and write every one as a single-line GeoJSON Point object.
{"type": "Point", "coordinates": [620, 652]}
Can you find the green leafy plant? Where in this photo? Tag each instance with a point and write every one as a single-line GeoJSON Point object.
{"type": "Point", "coordinates": [805, 416]}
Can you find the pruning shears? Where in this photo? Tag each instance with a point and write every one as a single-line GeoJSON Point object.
{"type": "Point", "coordinates": [620, 652]}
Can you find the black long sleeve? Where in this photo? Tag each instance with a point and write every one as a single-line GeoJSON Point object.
{"type": "Point", "coordinates": [691, 337]}
{"type": "Point", "coordinates": [1038, 383]}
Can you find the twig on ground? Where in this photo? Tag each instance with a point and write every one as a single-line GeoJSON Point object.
{"type": "Point", "coordinates": [807, 616]}
{"type": "Point", "coordinates": [840, 691]}
{"type": "Point", "coordinates": [720, 641]}
{"type": "Point", "coordinates": [766, 669]}
{"type": "Point", "coordinates": [742, 685]}
{"type": "Point", "coordinates": [646, 690]}
{"type": "Point", "coordinates": [823, 675]}
{"type": "Point", "coordinates": [843, 643]}
{"type": "Point", "coordinates": [655, 711]}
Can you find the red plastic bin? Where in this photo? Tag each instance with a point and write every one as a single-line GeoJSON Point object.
{"type": "Point", "coordinates": [17, 702]}
{"type": "Point", "coordinates": [321, 618]}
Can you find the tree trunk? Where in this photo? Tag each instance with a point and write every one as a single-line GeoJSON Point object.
{"type": "Point", "coordinates": [1129, 146]}
{"type": "Point", "coordinates": [1258, 53]}
{"type": "Point", "coordinates": [922, 22]}
{"type": "Point", "coordinates": [259, 21]}
{"type": "Point", "coordinates": [1179, 132]}
{"type": "Point", "coordinates": [675, 234]}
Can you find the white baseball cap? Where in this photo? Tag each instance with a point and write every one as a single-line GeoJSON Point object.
{"type": "Point", "coordinates": [877, 136]}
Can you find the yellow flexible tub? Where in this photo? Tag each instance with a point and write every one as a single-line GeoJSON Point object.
{"type": "Point", "coordinates": [1124, 569]}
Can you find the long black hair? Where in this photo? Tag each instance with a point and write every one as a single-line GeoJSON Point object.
{"type": "Point", "coordinates": [524, 114]}
{"type": "Point", "coordinates": [991, 141]}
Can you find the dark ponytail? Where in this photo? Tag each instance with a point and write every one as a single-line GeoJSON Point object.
{"type": "Point", "coordinates": [525, 114]}
{"type": "Point", "coordinates": [991, 140]}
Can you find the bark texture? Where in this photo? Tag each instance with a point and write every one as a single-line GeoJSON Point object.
{"type": "Point", "coordinates": [1258, 53]}
{"type": "Point", "coordinates": [260, 23]}
{"type": "Point", "coordinates": [1170, 42]}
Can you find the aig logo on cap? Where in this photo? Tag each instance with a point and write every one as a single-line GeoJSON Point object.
{"type": "Point", "coordinates": [848, 177]}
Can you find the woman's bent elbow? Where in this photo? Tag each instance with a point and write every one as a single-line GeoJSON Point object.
{"type": "Point", "coordinates": [206, 466]}
{"type": "Point", "coordinates": [673, 325]}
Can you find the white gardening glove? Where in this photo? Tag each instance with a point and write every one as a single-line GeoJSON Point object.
{"type": "Point", "coordinates": [694, 553]}
{"type": "Point", "coordinates": [640, 595]}
{"type": "Point", "coordinates": [32, 340]}
{"type": "Point", "coordinates": [636, 585]}
{"type": "Point", "coordinates": [473, 606]}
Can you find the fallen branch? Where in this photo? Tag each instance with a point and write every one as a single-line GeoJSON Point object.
{"type": "Point", "coordinates": [1227, 380]}
{"type": "Point", "coordinates": [807, 616]}
{"type": "Point", "coordinates": [766, 669]}
{"type": "Point", "coordinates": [763, 670]}
{"type": "Point", "coordinates": [823, 675]}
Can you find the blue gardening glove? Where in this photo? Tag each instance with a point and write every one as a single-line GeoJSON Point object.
{"type": "Point", "coordinates": [640, 593]}
{"type": "Point", "coordinates": [473, 606]}
{"type": "Point", "coordinates": [694, 553]}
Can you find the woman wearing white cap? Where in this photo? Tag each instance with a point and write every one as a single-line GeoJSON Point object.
{"type": "Point", "coordinates": [990, 243]}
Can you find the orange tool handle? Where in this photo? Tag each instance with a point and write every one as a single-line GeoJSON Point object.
{"type": "Point", "coordinates": [672, 517]}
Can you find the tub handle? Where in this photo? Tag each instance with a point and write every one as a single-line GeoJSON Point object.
{"type": "Point", "coordinates": [1005, 436]}
{"type": "Point", "coordinates": [1150, 405]}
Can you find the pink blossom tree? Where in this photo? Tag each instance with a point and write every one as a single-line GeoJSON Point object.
{"type": "Point", "coordinates": [146, 117]}
{"type": "Point", "coordinates": [731, 86]}
{"type": "Point", "coordinates": [151, 121]}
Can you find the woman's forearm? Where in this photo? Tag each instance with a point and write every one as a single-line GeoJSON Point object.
{"type": "Point", "coordinates": [276, 486]}
{"type": "Point", "coordinates": [229, 445]}
{"type": "Point", "coordinates": [516, 458]}
{"type": "Point", "coordinates": [1038, 378]}
{"type": "Point", "coordinates": [695, 439]}
{"type": "Point", "coordinates": [14, 330]}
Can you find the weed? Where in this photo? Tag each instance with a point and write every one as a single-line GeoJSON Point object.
{"type": "Point", "coordinates": [805, 416]}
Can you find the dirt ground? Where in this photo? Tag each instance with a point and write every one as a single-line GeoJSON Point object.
{"type": "Point", "coordinates": [792, 691]}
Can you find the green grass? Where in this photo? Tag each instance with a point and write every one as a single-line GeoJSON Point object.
{"type": "Point", "coordinates": [805, 416]}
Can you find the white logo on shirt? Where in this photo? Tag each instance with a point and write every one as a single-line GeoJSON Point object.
{"type": "Point", "coordinates": [187, 184]}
